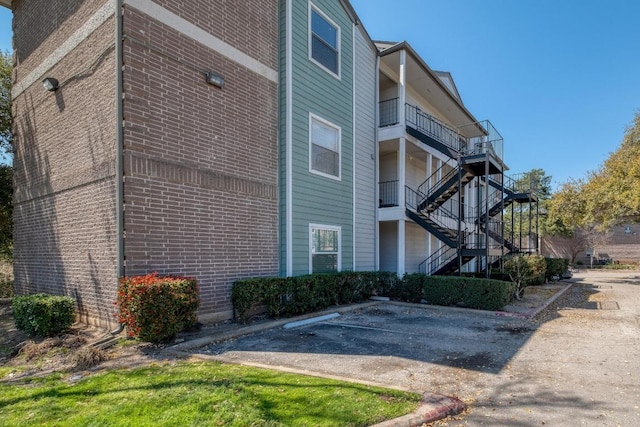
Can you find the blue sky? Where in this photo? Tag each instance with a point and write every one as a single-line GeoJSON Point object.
{"type": "Point", "coordinates": [560, 79]}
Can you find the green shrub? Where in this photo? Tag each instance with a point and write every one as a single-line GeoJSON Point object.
{"type": "Point", "coordinates": [288, 296]}
{"type": "Point", "coordinates": [43, 315]}
{"type": "Point", "coordinates": [472, 292]}
{"type": "Point", "coordinates": [538, 267]}
{"type": "Point", "coordinates": [525, 270]}
{"type": "Point", "coordinates": [408, 289]}
{"type": "Point", "coordinates": [555, 267]}
{"type": "Point", "coordinates": [155, 308]}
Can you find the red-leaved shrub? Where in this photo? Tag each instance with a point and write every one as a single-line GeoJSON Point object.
{"type": "Point", "coordinates": [156, 308]}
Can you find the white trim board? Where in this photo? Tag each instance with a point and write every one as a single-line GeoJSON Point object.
{"type": "Point", "coordinates": [83, 33]}
{"type": "Point", "coordinates": [201, 36]}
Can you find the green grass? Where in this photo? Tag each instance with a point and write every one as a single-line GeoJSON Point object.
{"type": "Point", "coordinates": [197, 394]}
{"type": "Point", "coordinates": [616, 267]}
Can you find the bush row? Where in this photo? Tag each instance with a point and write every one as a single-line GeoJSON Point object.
{"type": "Point", "coordinates": [155, 308]}
{"type": "Point", "coordinates": [43, 315]}
{"type": "Point", "coordinates": [472, 292]}
{"type": "Point", "coordinates": [288, 296]}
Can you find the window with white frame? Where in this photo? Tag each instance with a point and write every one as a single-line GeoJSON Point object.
{"type": "Point", "coordinates": [324, 147]}
{"type": "Point", "coordinates": [324, 41]}
{"type": "Point", "coordinates": [325, 249]}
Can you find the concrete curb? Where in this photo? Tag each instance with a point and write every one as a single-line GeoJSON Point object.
{"type": "Point", "coordinates": [248, 330]}
{"type": "Point", "coordinates": [433, 407]}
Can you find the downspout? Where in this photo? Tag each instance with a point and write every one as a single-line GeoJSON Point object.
{"type": "Point", "coordinates": [119, 150]}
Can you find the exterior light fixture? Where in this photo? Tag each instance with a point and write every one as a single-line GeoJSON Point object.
{"type": "Point", "coordinates": [50, 84]}
{"type": "Point", "coordinates": [214, 79]}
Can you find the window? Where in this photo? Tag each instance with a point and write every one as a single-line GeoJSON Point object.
{"type": "Point", "coordinates": [325, 249]}
{"type": "Point", "coordinates": [324, 147]}
{"type": "Point", "coordinates": [324, 41]}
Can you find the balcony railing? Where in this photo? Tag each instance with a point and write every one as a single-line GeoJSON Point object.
{"type": "Point", "coordinates": [388, 194]}
{"type": "Point", "coordinates": [488, 140]}
{"type": "Point", "coordinates": [433, 127]}
{"type": "Point", "coordinates": [388, 111]}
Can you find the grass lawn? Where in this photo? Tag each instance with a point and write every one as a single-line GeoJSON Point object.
{"type": "Point", "coordinates": [197, 394]}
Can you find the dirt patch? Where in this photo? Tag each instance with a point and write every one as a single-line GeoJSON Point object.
{"type": "Point", "coordinates": [73, 351]}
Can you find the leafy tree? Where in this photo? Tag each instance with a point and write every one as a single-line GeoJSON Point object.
{"type": "Point", "coordinates": [523, 217]}
{"type": "Point", "coordinates": [5, 104]}
{"type": "Point", "coordinates": [6, 192]}
{"type": "Point", "coordinates": [6, 148]}
{"type": "Point", "coordinates": [606, 196]}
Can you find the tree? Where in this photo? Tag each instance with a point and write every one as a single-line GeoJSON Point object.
{"type": "Point", "coordinates": [6, 139]}
{"type": "Point", "coordinates": [6, 148]}
{"type": "Point", "coordinates": [606, 196]}
{"type": "Point", "coordinates": [522, 217]}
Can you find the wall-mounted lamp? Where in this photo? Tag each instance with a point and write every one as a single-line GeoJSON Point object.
{"type": "Point", "coordinates": [50, 84]}
{"type": "Point", "coordinates": [214, 79]}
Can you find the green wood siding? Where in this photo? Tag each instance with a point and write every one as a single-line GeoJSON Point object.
{"type": "Point", "coordinates": [365, 151]}
{"type": "Point", "coordinates": [318, 199]}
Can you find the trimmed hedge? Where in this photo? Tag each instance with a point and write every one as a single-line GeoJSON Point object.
{"type": "Point", "coordinates": [43, 315]}
{"type": "Point", "coordinates": [155, 308]}
{"type": "Point", "coordinates": [472, 292]}
{"type": "Point", "coordinates": [556, 267]}
{"type": "Point", "coordinates": [289, 296]}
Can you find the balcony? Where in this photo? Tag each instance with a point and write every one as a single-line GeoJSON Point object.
{"type": "Point", "coordinates": [474, 139]}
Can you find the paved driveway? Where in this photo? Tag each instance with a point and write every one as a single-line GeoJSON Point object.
{"type": "Point", "coordinates": [580, 366]}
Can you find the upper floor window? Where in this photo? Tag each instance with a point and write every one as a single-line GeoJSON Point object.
{"type": "Point", "coordinates": [324, 41]}
{"type": "Point", "coordinates": [324, 147]}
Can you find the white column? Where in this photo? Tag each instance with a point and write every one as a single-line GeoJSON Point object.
{"type": "Point", "coordinates": [402, 162]}
{"type": "Point", "coordinates": [401, 248]}
{"type": "Point", "coordinates": [402, 93]}
{"type": "Point", "coordinates": [402, 173]}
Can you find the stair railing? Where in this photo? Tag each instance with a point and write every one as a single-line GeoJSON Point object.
{"type": "Point", "coordinates": [433, 183]}
{"type": "Point", "coordinates": [441, 257]}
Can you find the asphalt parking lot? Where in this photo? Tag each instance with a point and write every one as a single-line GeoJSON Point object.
{"type": "Point", "coordinates": [386, 344]}
{"type": "Point", "coordinates": [578, 365]}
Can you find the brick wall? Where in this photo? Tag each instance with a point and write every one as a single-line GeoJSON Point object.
{"type": "Point", "coordinates": [64, 214]}
{"type": "Point", "coordinates": [621, 244]}
{"type": "Point", "coordinates": [41, 26]}
{"type": "Point", "coordinates": [201, 162]}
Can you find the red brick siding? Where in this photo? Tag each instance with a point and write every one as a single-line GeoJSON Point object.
{"type": "Point", "coordinates": [64, 220]}
{"type": "Point", "coordinates": [200, 162]}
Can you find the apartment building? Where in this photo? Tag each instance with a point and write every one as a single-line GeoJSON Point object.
{"type": "Point", "coordinates": [275, 138]}
{"type": "Point", "coordinates": [153, 149]}
{"type": "Point", "coordinates": [442, 182]}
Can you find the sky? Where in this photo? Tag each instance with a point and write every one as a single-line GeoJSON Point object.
{"type": "Point", "coordinates": [559, 79]}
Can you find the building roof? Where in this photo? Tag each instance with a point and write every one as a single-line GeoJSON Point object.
{"type": "Point", "coordinates": [5, 3]}
{"type": "Point", "coordinates": [439, 87]}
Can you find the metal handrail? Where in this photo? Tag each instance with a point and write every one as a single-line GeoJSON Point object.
{"type": "Point", "coordinates": [413, 199]}
{"type": "Point", "coordinates": [388, 112]}
{"type": "Point", "coordinates": [434, 128]}
{"type": "Point", "coordinates": [433, 182]}
{"type": "Point", "coordinates": [388, 193]}
{"type": "Point", "coordinates": [440, 257]}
